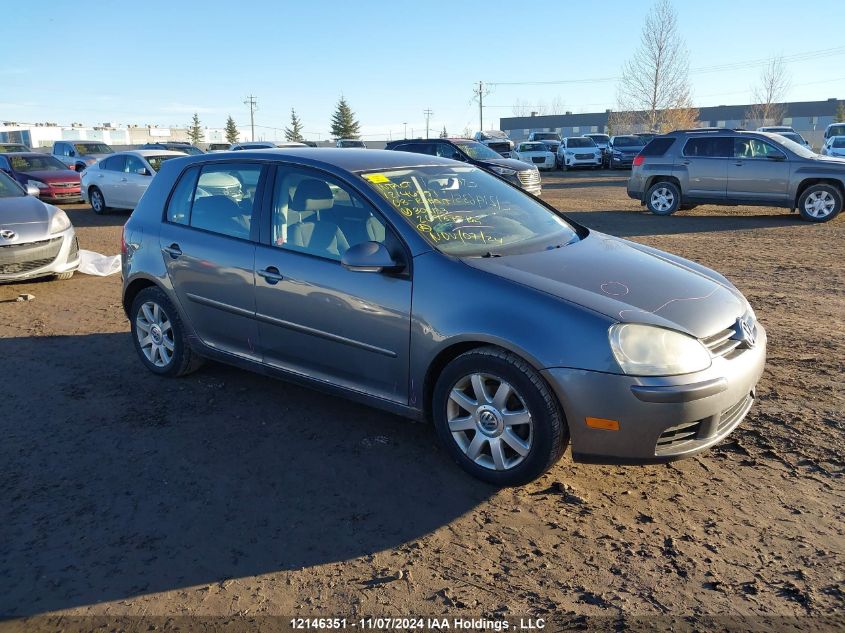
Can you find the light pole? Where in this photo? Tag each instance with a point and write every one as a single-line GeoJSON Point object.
{"type": "Point", "coordinates": [405, 133]}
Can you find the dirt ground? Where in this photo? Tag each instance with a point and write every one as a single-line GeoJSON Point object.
{"type": "Point", "coordinates": [226, 493]}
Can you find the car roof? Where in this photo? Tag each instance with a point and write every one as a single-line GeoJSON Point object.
{"type": "Point", "coordinates": [348, 159]}
{"type": "Point", "coordinates": [81, 142]}
{"type": "Point", "coordinates": [148, 152]}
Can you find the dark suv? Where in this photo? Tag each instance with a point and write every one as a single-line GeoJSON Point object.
{"type": "Point", "coordinates": [731, 167]}
{"type": "Point", "coordinates": [465, 150]}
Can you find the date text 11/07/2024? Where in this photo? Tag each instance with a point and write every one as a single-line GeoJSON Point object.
{"type": "Point", "coordinates": [417, 624]}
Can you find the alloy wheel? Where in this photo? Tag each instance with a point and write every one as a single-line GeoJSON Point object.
{"type": "Point", "coordinates": [819, 204]}
{"type": "Point", "coordinates": [489, 421]}
{"type": "Point", "coordinates": [662, 199]}
{"type": "Point", "coordinates": [97, 202]}
{"type": "Point", "coordinates": [155, 334]}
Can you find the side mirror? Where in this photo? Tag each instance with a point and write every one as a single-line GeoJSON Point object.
{"type": "Point", "coordinates": [143, 171]}
{"type": "Point", "coordinates": [71, 153]}
{"type": "Point", "coordinates": [32, 190]}
{"type": "Point", "coordinates": [368, 257]}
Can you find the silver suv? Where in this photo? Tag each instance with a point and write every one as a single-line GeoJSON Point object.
{"type": "Point", "coordinates": [720, 166]}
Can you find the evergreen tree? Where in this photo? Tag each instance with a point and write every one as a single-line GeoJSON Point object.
{"type": "Point", "coordinates": [444, 133]}
{"type": "Point", "coordinates": [294, 132]}
{"type": "Point", "coordinates": [231, 130]}
{"type": "Point", "coordinates": [344, 124]}
{"type": "Point", "coordinates": [840, 111]}
{"type": "Point", "coordinates": [195, 132]}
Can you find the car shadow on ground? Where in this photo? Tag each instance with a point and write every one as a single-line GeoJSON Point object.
{"type": "Point", "coordinates": [119, 483]}
{"type": "Point", "coordinates": [586, 180]}
{"type": "Point", "coordinates": [643, 223]}
{"type": "Point", "coordinates": [82, 215]}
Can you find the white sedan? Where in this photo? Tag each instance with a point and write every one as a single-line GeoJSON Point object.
{"type": "Point", "coordinates": [578, 151]}
{"type": "Point", "coordinates": [535, 153]}
{"type": "Point", "coordinates": [834, 146]}
{"type": "Point", "coordinates": [119, 180]}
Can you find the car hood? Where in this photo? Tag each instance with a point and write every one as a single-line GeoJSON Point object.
{"type": "Point", "coordinates": [833, 160]}
{"type": "Point", "coordinates": [27, 216]}
{"type": "Point", "coordinates": [510, 163]}
{"type": "Point", "coordinates": [629, 150]}
{"type": "Point", "coordinates": [52, 175]}
{"type": "Point", "coordinates": [627, 283]}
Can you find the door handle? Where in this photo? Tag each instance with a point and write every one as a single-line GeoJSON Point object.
{"type": "Point", "coordinates": [738, 163]}
{"type": "Point", "coordinates": [123, 180]}
{"type": "Point", "coordinates": [686, 162]}
{"type": "Point", "coordinates": [271, 274]}
{"type": "Point", "coordinates": [173, 250]}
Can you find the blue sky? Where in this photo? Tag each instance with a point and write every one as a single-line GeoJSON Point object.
{"type": "Point", "coordinates": [157, 62]}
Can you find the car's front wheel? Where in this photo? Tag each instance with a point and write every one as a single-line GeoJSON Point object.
{"type": "Point", "coordinates": [159, 335]}
{"type": "Point", "coordinates": [820, 203]}
{"type": "Point", "coordinates": [663, 198]}
{"type": "Point", "coordinates": [98, 202]}
{"type": "Point", "coordinates": [498, 418]}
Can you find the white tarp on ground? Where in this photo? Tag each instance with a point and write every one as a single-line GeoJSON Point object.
{"type": "Point", "coordinates": [92, 263]}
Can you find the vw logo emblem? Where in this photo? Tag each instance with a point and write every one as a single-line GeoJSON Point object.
{"type": "Point", "coordinates": [746, 331]}
{"type": "Point", "coordinates": [8, 234]}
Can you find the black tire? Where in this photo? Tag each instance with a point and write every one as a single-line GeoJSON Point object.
{"type": "Point", "coordinates": [79, 167]}
{"type": "Point", "coordinates": [827, 192]}
{"type": "Point", "coordinates": [673, 203]}
{"type": "Point", "coordinates": [183, 359]}
{"type": "Point", "coordinates": [63, 276]}
{"type": "Point", "coordinates": [550, 433]}
{"type": "Point", "coordinates": [98, 201]}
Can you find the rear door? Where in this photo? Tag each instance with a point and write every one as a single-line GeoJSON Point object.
{"type": "Point", "coordinates": [758, 173]}
{"type": "Point", "coordinates": [703, 164]}
{"type": "Point", "coordinates": [207, 243]}
{"type": "Point", "coordinates": [109, 180]}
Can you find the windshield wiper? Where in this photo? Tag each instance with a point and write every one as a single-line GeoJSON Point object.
{"type": "Point", "coordinates": [491, 254]}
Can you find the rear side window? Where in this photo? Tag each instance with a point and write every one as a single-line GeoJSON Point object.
{"type": "Point", "coordinates": [115, 163]}
{"type": "Point", "coordinates": [224, 198]}
{"type": "Point", "coordinates": [709, 147]}
{"type": "Point", "coordinates": [657, 147]}
{"type": "Point", "coordinates": [179, 207]}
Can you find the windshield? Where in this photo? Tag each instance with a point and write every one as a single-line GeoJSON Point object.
{"type": "Point", "coordinates": [628, 141]}
{"type": "Point", "coordinates": [546, 136]}
{"type": "Point", "coordinates": [13, 147]}
{"type": "Point", "coordinates": [792, 146]}
{"type": "Point", "coordinates": [9, 188]}
{"type": "Point", "coordinates": [838, 142]}
{"type": "Point", "coordinates": [36, 163]}
{"type": "Point", "coordinates": [156, 161]}
{"type": "Point", "coordinates": [792, 136]}
{"type": "Point", "coordinates": [599, 138]}
{"type": "Point", "coordinates": [92, 148]}
{"type": "Point", "coordinates": [466, 212]}
{"type": "Point", "coordinates": [580, 142]}
{"type": "Point", "coordinates": [352, 143]}
{"type": "Point", "coordinates": [186, 149]}
{"type": "Point", "coordinates": [477, 151]}
{"type": "Point", "coordinates": [533, 147]}
{"type": "Point", "coordinates": [491, 134]}
{"type": "Point", "coordinates": [836, 130]}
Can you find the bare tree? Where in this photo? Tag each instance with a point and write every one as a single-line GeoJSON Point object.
{"type": "Point", "coordinates": [655, 80]}
{"type": "Point", "coordinates": [622, 122]}
{"type": "Point", "coordinates": [768, 95]}
{"type": "Point", "coordinates": [557, 106]}
{"type": "Point", "coordinates": [678, 119]}
{"type": "Point", "coordinates": [520, 108]}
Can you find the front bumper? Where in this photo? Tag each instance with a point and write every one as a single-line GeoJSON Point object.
{"type": "Point", "coordinates": [54, 254]}
{"type": "Point", "coordinates": [571, 161]}
{"type": "Point", "coordinates": [658, 417]}
{"type": "Point", "coordinates": [529, 181]}
{"type": "Point", "coordinates": [624, 161]}
{"type": "Point", "coordinates": [61, 195]}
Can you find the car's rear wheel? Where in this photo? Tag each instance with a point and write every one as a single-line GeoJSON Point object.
{"type": "Point", "coordinates": [98, 202]}
{"type": "Point", "coordinates": [820, 203]}
{"type": "Point", "coordinates": [498, 418]}
{"type": "Point", "coordinates": [159, 335]}
{"type": "Point", "coordinates": [663, 198]}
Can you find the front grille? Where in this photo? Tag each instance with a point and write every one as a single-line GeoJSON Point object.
{"type": "Point", "coordinates": [63, 185]}
{"type": "Point", "coordinates": [728, 343]}
{"type": "Point", "coordinates": [538, 159]}
{"type": "Point", "coordinates": [686, 436]}
{"type": "Point", "coordinates": [584, 156]}
{"type": "Point", "coordinates": [528, 177]}
{"type": "Point", "coordinates": [19, 258]}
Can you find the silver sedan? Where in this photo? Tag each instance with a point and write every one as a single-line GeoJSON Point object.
{"type": "Point", "coordinates": [36, 239]}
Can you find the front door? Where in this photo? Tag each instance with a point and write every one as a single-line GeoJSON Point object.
{"type": "Point", "coordinates": [208, 247]}
{"type": "Point", "coordinates": [135, 180]}
{"type": "Point", "coordinates": [316, 318]}
{"type": "Point", "coordinates": [758, 173]}
{"type": "Point", "coordinates": [705, 159]}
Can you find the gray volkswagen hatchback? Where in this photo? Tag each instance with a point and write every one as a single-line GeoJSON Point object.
{"type": "Point", "coordinates": [436, 290]}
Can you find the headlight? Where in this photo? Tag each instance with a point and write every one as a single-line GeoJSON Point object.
{"type": "Point", "coordinates": [615, 153]}
{"type": "Point", "coordinates": [59, 222]}
{"type": "Point", "coordinates": [646, 350]}
{"type": "Point", "coordinates": [502, 171]}
{"type": "Point", "coordinates": [37, 183]}
{"type": "Point", "coordinates": [568, 153]}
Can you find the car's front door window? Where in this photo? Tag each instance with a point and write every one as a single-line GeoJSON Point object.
{"type": "Point", "coordinates": [316, 214]}
{"type": "Point", "coordinates": [755, 148]}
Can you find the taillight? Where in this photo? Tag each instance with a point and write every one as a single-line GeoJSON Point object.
{"type": "Point", "coordinates": [639, 159]}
